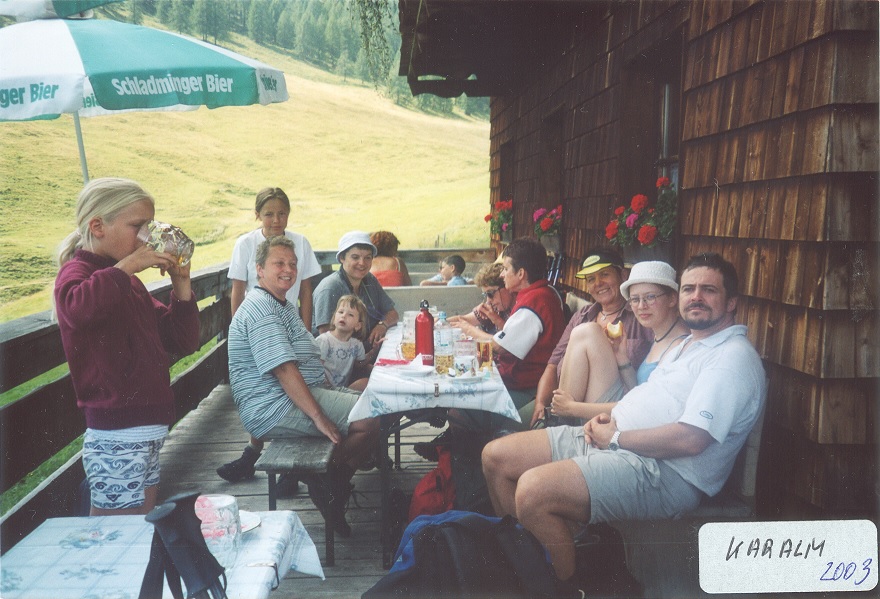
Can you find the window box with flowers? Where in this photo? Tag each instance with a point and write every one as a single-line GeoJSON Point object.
{"type": "Point", "coordinates": [643, 225]}
{"type": "Point", "coordinates": [548, 225]}
{"type": "Point", "coordinates": [501, 219]}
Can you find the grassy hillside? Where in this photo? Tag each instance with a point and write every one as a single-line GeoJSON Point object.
{"type": "Point", "coordinates": [348, 159]}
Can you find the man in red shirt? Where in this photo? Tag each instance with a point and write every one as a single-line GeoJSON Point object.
{"type": "Point", "coordinates": [528, 338]}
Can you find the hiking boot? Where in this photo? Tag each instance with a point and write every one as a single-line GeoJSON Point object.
{"type": "Point", "coordinates": [428, 450]}
{"type": "Point", "coordinates": [337, 507]}
{"type": "Point", "coordinates": [288, 485]}
{"type": "Point", "coordinates": [374, 461]}
{"type": "Point", "coordinates": [330, 499]}
{"type": "Point", "coordinates": [240, 469]}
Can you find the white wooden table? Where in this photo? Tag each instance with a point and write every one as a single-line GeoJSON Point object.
{"type": "Point", "coordinates": [107, 556]}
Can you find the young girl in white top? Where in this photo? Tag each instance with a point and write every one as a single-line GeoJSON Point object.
{"type": "Point", "coordinates": [342, 347]}
{"type": "Point", "coordinates": [272, 209]}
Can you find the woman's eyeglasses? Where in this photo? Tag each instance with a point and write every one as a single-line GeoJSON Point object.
{"type": "Point", "coordinates": [649, 299]}
{"type": "Point", "coordinates": [489, 294]}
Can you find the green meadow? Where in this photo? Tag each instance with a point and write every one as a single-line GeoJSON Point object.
{"type": "Point", "coordinates": [347, 157]}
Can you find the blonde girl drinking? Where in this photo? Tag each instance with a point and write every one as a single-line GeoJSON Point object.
{"type": "Point", "coordinates": [117, 337]}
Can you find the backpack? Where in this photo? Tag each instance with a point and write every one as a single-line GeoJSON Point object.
{"type": "Point", "coordinates": [471, 491]}
{"type": "Point", "coordinates": [462, 555]}
{"type": "Point", "coordinates": [435, 493]}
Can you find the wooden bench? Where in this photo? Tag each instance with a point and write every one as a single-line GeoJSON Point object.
{"type": "Point", "coordinates": [299, 456]}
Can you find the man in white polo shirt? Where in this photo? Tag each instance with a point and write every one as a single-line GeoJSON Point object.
{"type": "Point", "coordinates": [667, 443]}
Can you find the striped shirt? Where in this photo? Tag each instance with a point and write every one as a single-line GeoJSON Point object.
{"type": "Point", "coordinates": [264, 334]}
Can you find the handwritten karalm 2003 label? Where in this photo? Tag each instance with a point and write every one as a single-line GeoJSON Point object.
{"type": "Point", "coordinates": [788, 557]}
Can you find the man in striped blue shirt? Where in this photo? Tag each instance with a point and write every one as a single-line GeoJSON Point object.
{"type": "Point", "coordinates": [279, 385]}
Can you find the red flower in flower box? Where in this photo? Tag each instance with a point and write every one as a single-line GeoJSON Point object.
{"type": "Point", "coordinates": [611, 229]}
{"type": "Point", "coordinates": [645, 222]}
{"type": "Point", "coordinates": [639, 202]}
{"type": "Point", "coordinates": [647, 234]}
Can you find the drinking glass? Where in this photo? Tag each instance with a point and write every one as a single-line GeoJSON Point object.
{"type": "Point", "coordinates": [163, 237]}
{"type": "Point", "coordinates": [221, 526]}
{"type": "Point", "coordinates": [484, 355]}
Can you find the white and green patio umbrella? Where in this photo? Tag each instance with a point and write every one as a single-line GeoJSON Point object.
{"type": "Point", "coordinates": [93, 67]}
{"type": "Point", "coordinates": [26, 10]}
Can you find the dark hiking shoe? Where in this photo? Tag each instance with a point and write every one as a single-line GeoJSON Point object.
{"type": "Point", "coordinates": [374, 461]}
{"type": "Point", "coordinates": [288, 485]}
{"type": "Point", "coordinates": [428, 450]}
{"type": "Point", "coordinates": [330, 498]}
{"type": "Point", "coordinates": [240, 469]}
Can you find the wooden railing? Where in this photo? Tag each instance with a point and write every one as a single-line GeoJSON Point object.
{"type": "Point", "coordinates": [42, 422]}
{"type": "Point", "coordinates": [45, 420]}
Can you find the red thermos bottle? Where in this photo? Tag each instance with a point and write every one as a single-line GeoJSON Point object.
{"type": "Point", "coordinates": [425, 334]}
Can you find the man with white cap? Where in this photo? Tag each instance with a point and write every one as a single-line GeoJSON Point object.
{"type": "Point", "coordinates": [355, 253]}
{"type": "Point", "coordinates": [666, 444]}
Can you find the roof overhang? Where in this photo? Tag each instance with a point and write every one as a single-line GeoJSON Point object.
{"type": "Point", "coordinates": [485, 47]}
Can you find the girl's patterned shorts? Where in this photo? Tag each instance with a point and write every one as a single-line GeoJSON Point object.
{"type": "Point", "coordinates": [119, 471]}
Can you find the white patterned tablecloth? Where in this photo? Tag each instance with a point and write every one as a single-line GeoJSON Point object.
{"type": "Point", "coordinates": [107, 556]}
{"type": "Point", "coordinates": [389, 390]}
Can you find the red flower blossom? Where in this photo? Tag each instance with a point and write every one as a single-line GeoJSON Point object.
{"type": "Point", "coordinates": [611, 229]}
{"type": "Point", "coordinates": [546, 223]}
{"type": "Point", "coordinates": [647, 234]}
{"type": "Point", "coordinates": [662, 182]}
{"type": "Point", "coordinates": [619, 210]}
{"type": "Point", "coordinates": [488, 218]}
{"type": "Point", "coordinates": [639, 202]}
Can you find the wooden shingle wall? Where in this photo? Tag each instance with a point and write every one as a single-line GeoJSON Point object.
{"type": "Point", "coordinates": [779, 162]}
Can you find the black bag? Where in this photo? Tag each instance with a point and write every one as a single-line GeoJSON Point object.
{"type": "Point", "coordinates": [466, 555]}
{"type": "Point", "coordinates": [471, 491]}
{"type": "Point", "coordinates": [600, 563]}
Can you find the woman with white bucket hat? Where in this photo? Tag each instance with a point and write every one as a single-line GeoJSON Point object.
{"type": "Point", "coordinates": [355, 254]}
{"type": "Point", "coordinates": [595, 374]}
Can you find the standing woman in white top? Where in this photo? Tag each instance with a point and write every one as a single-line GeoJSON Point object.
{"type": "Point", "coordinates": [272, 209]}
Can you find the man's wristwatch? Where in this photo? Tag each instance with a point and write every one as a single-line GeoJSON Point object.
{"type": "Point", "coordinates": [382, 322]}
{"type": "Point", "coordinates": [613, 445]}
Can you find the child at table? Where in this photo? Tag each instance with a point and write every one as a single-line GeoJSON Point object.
{"type": "Point", "coordinates": [342, 347]}
{"type": "Point", "coordinates": [117, 338]}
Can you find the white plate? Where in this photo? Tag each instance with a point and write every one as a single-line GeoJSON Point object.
{"type": "Point", "coordinates": [416, 370]}
{"type": "Point", "coordinates": [249, 520]}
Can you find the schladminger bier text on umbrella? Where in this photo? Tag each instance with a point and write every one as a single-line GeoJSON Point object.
{"type": "Point", "coordinates": [135, 86]}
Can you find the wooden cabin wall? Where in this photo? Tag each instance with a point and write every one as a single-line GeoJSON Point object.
{"type": "Point", "coordinates": [779, 163]}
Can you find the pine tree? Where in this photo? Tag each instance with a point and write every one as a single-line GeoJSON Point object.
{"type": "Point", "coordinates": [163, 11]}
{"type": "Point", "coordinates": [343, 65]}
{"type": "Point", "coordinates": [179, 17]}
{"type": "Point", "coordinates": [261, 26]}
{"type": "Point", "coordinates": [135, 15]}
{"type": "Point", "coordinates": [308, 38]}
{"type": "Point", "coordinates": [210, 19]}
